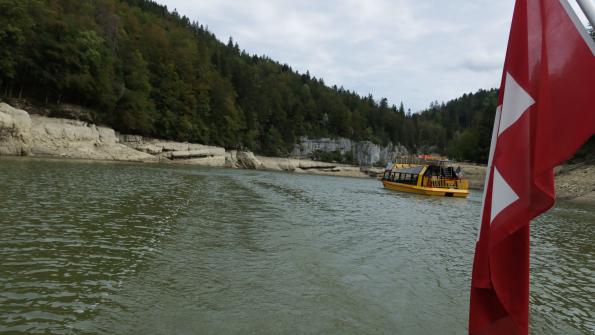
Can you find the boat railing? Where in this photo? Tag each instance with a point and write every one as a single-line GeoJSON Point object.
{"type": "Point", "coordinates": [415, 160]}
{"type": "Point", "coordinates": [442, 182]}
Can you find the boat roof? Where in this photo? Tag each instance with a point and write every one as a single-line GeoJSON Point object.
{"type": "Point", "coordinates": [410, 170]}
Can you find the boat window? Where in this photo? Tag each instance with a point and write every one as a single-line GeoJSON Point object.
{"type": "Point", "coordinates": [407, 178]}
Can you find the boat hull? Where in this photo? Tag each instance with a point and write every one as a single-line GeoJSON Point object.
{"type": "Point", "coordinates": [441, 192]}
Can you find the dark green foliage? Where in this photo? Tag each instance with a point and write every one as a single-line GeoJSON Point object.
{"type": "Point", "coordinates": [586, 152]}
{"type": "Point", "coordinates": [324, 156]}
{"type": "Point", "coordinates": [461, 128]}
{"type": "Point", "coordinates": [334, 157]}
{"type": "Point", "coordinates": [14, 23]}
{"type": "Point", "coordinates": [464, 146]}
{"type": "Point", "coordinates": [134, 111]}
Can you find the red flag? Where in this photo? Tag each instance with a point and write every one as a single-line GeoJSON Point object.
{"type": "Point", "coordinates": [546, 112]}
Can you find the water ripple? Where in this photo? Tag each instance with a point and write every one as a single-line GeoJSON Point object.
{"type": "Point", "coordinates": [152, 249]}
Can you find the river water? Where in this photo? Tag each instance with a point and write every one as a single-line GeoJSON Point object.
{"type": "Point", "coordinates": [106, 248]}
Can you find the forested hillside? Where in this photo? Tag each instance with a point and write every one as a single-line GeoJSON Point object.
{"type": "Point", "coordinates": [149, 71]}
{"type": "Point", "coordinates": [145, 70]}
{"type": "Point", "coordinates": [461, 128]}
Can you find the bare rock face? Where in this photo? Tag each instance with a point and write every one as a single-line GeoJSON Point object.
{"type": "Point", "coordinates": [24, 134]}
{"type": "Point", "coordinates": [15, 131]}
{"type": "Point", "coordinates": [231, 159]}
{"type": "Point", "coordinates": [365, 153]}
{"type": "Point", "coordinates": [179, 152]}
{"type": "Point", "coordinates": [308, 146]}
{"type": "Point", "coordinates": [78, 139]}
{"type": "Point", "coordinates": [107, 136]}
{"type": "Point", "coordinates": [247, 160]}
{"type": "Point", "coordinates": [309, 166]}
{"type": "Point", "coordinates": [242, 160]}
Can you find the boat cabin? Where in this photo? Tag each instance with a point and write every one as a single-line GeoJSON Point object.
{"type": "Point", "coordinates": [429, 179]}
{"type": "Point", "coordinates": [404, 175]}
{"type": "Point", "coordinates": [433, 175]}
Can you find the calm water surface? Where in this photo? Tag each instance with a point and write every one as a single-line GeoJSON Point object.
{"type": "Point", "coordinates": [102, 248]}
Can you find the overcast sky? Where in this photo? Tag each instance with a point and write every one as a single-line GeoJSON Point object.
{"type": "Point", "coordinates": [406, 50]}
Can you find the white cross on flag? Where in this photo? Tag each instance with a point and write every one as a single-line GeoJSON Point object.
{"type": "Point", "coordinates": [546, 112]}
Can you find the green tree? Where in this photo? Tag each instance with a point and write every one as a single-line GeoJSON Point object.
{"type": "Point", "coordinates": [14, 23]}
{"type": "Point", "coordinates": [227, 118]}
{"type": "Point", "coordinates": [135, 111]}
{"type": "Point", "coordinates": [464, 146]}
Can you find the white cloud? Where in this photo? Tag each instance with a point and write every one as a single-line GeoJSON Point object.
{"type": "Point", "coordinates": [405, 50]}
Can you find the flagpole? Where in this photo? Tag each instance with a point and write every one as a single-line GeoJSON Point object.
{"type": "Point", "coordinates": [589, 9]}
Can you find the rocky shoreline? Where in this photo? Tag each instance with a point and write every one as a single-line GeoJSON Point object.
{"type": "Point", "coordinates": [24, 134]}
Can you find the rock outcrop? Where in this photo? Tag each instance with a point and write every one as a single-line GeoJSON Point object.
{"type": "Point", "coordinates": [36, 135]}
{"type": "Point", "coordinates": [15, 131]}
{"type": "Point", "coordinates": [179, 152]}
{"type": "Point", "coordinates": [247, 160]}
{"type": "Point", "coordinates": [24, 134]}
{"type": "Point", "coordinates": [77, 139]}
{"type": "Point", "coordinates": [308, 146]}
{"type": "Point", "coordinates": [242, 160]}
{"type": "Point", "coordinates": [365, 153]}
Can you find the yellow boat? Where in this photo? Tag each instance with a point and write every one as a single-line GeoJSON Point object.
{"type": "Point", "coordinates": [427, 179]}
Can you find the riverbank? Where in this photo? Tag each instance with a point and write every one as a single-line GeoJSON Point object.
{"type": "Point", "coordinates": [576, 183]}
{"type": "Point", "coordinates": [24, 134]}
{"type": "Point", "coordinates": [573, 182]}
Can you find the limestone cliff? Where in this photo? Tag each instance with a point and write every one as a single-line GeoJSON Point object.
{"type": "Point", "coordinates": [365, 153]}
{"type": "Point", "coordinates": [24, 134]}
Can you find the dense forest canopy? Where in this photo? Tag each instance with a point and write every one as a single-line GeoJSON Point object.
{"type": "Point", "coordinates": [145, 70]}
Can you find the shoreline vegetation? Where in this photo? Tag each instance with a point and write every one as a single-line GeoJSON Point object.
{"type": "Point", "coordinates": [24, 134]}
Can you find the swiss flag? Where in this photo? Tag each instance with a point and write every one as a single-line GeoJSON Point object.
{"type": "Point", "coordinates": [546, 112]}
